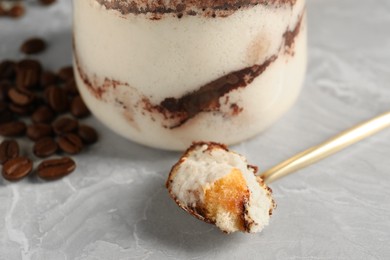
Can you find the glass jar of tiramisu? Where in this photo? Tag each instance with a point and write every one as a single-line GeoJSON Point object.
{"type": "Point", "coordinates": [167, 73]}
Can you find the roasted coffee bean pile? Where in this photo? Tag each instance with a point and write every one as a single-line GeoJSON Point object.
{"type": "Point", "coordinates": [46, 108]}
{"type": "Point", "coordinates": [16, 9]}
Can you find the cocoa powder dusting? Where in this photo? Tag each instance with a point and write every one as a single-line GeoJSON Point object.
{"type": "Point", "coordinates": [236, 109]}
{"type": "Point", "coordinates": [98, 90]}
{"type": "Point", "coordinates": [180, 110]}
{"type": "Point", "coordinates": [206, 98]}
{"type": "Point", "coordinates": [290, 35]}
{"type": "Point", "coordinates": [209, 8]}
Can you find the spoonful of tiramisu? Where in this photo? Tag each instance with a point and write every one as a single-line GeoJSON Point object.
{"type": "Point", "coordinates": [218, 186]}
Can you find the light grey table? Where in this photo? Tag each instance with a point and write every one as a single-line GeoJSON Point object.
{"type": "Point", "coordinates": [115, 205]}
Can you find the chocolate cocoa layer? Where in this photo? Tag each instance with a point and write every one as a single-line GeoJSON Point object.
{"type": "Point", "coordinates": [290, 36]}
{"type": "Point", "coordinates": [207, 97]}
{"type": "Point", "coordinates": [210, 8]}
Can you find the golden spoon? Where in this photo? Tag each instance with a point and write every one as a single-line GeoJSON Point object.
{"type": "Point", "coordinates": [219, 187]}
{"type": "Point", "coordinates": [327, 148]}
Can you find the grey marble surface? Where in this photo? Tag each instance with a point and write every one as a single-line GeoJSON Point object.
{"type": "Point", "coordinates": [115, 205]}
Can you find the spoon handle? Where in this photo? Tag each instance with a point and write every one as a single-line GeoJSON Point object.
{"type": "Point", "coordinates": [329, 147]}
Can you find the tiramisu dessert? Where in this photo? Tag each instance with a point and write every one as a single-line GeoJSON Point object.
{"type": "Point", "coordinates": [219, 187]}
{"type": "Point", "coordinates": [167, 73]}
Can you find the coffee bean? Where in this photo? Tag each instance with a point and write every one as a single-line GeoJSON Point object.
{"type": "Point", "coordinates": [57, 99]}
{"type": "Point", "coordinates": [7, 69]}
{"type": "Point", "coordinates": [48, 78]}
{"type": "Point", "coordinates": [78, 108]}
{"type": "Point", "coordinates": [66, 73]}
{"type": "Point", "coordinates": [17, 168]}
{"type": "Point", "coordinates": [16, 11]}
{"type": "Point", "coordinates": [21, 97]}
{"type": "Point", "coordinates": [45, 147]}
{"type": "Point", "coordinates": [5, 86]}
{"type": "Point", "coordinates": [65, 125]}
{"type": "Point", "coordinates": [3, 12]}
{"type": "Point", "coordinates": [33, 46]}
{"type": "Point", "coordinates": [8, 149]}
{"type": "Point", "coordinates": [87, 134]}
{"type": "Point", "coordinates": [16, 128]}
{"type": "Point", "coordinates": [70, 143]}
{"type": "Point", "coordinates": [43, 114]}
{"type": "Point", "coordinates": [28, 73]}
{"type": "Point", "coordinates": [21, 110]}
{"type": "Point", "coordinates": [38, 131]}
{"type": "Point", "coordinates": [56, 168]}
{"type": "Point", "coordinates": [47, 2]}
{"type": "Point", "coordinates": [71, 88]}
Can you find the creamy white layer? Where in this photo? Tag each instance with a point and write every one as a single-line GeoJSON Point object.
{"type": "Point", "coordinates": [171, 57]}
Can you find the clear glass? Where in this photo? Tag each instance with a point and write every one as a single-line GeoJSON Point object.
{"type": "Point", "coordinates": [166, 77]}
